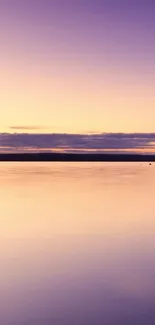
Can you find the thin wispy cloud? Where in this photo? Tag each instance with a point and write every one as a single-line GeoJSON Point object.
{"type": "Point", "coordinates": [78, 142]}
{"type": "Point", "coordinates": [27, 128]}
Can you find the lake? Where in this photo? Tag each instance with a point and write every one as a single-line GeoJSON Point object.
{"type": "Point", "coordinates": [77, 244]}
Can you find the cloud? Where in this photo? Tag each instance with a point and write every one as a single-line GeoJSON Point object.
{"type": "Point", "coordinates": [25, 128]}
{"type": "Point", "coordinates": [77, 142]}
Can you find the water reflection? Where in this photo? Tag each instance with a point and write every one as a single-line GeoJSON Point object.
{"type": "Point", "coordinates": [77, 244]}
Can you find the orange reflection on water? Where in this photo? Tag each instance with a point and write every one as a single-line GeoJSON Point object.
{"type": "Point", "coordinates": [71, 231]}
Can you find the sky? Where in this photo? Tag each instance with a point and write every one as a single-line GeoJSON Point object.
{"type": "Point", "coordinates": [75, 68]}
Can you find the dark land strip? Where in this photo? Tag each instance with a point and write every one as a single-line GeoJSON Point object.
{"type": "Point", "coordinates": [76, 157]}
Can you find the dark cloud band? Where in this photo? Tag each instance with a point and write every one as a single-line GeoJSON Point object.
{"type": "Point", "coordinates": [103, 141]}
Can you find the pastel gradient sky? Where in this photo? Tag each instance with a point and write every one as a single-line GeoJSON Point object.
{"type": "Point", "coordinates": [71, 66]}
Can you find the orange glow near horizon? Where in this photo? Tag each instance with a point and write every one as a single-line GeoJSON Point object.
{"type": "Point", "coordinates": [75, 103]}
{"type": "Point", "coordinates": [70, 150]}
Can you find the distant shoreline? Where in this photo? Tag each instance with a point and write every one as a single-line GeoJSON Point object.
{"type": "Point", "coordinates": [73, 157]}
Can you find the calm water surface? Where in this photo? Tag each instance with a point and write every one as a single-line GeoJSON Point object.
{"type": "Point", "coordinates": [77, 244]}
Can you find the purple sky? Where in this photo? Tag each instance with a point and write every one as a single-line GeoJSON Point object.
{"type": "Point", "coordinates": [77, 66]}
